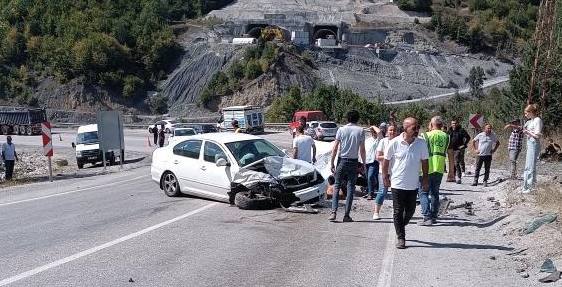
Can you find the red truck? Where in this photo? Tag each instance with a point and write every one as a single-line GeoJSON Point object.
{"type": "Point", "coordinates": [309, 115]}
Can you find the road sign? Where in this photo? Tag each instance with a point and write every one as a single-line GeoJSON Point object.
{"type": "Point", "coordinates": [392, 115]}
{"type": "Point", "coordinates": [47, 139]}
{"type": "Point", "coordinates": [476, 121]}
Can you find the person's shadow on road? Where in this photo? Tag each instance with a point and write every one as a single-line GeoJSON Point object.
{"type": "Point", "coordinates": [427, 244]}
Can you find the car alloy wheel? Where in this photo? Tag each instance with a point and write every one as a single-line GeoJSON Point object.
{"type": "Point", "coordinates": [170, 184]}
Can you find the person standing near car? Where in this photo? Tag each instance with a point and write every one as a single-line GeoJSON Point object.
{"type": "Point", "coordinates": [350, 142]}
{"type": "Point", "coordinates": [409, 153]}
{"type": "Point", "coordinates": [304, 147]}
{"type": "Point", "coordinates": [154, 131]}
{"type": "Point", "coordinates": [459, 142]}
{"type": "Point", "coordinates": [9, 156]}
{"type": "Point", "coordinates": [161, 136]}
{"type": "Point", "coordinates": [236, 127]}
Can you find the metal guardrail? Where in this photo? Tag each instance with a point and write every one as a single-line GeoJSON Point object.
{"type": "Point", "coordinates": [277, 126]}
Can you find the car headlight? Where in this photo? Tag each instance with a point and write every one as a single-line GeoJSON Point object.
{"type": "Point", "coordinates": [78, 153]}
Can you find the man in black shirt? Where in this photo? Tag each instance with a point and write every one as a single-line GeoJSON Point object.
{"type": "Point", "coordinates": [459, 142]}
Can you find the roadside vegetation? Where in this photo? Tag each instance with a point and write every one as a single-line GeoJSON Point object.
{"type": "Point", "coordinates": [499, 26]}
{"type": "Point", "coordinates": [117, 44]}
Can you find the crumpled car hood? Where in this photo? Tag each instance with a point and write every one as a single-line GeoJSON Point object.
{"type": "Point", "coordinates": [272, 169]}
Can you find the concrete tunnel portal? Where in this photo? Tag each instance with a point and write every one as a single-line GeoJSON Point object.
{"type": "Point", "coordinates": [324, 31]}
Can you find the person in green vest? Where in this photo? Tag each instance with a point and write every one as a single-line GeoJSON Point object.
{"type": "Point", "coordinates": [438, 144]}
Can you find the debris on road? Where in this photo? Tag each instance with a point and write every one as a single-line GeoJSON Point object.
{"type": "Point", "coordinates": [538, 222]}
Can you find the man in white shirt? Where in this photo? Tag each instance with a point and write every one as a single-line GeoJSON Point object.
{"type": "Point", "coordinates": [9, 155]}
{"type": "Point", "coordinates": [304, 147]}
{"type": "Point", "coordinates": [409, 154]}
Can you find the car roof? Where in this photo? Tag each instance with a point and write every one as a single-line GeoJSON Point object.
{"type": "Point", "coordinates": [225, 137]}
{"type": "Point", "coordinates": [320, 122]}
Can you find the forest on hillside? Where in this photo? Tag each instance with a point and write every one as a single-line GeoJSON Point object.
{"type": "Point", "coordinates": [120, 44]}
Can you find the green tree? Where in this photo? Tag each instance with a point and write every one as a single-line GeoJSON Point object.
{"type": "Point", "coordinates": [476, 81]}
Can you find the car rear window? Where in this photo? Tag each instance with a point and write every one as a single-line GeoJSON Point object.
{"type": "Point", "coordinates": [329, 125]}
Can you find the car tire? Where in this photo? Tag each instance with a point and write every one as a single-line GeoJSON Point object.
{"type": "Point", "coordinates": [257, 202]}
{"type": "Point", "coordinates": [80, 165]}
{"type": "Point", "coordinates": [170, 184]}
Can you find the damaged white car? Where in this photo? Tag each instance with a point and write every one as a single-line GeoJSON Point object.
{"type": "Point", "coordinates": [240, 169]}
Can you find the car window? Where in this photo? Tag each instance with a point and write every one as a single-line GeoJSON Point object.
{"type": "Point", "coordinates": [212, 152]}
{"type": "Point", "coordinates": [87, 138]}
{"type": "Point", "coordinates": [189, 148]}
{"type": "Point", "coordinates": [246, 152]}
{"type": "Point", "coordinates": [314, 125]}
{"type": "Point", "coordinates": [189, 132]}
{"type": "Point", "coordinates": [329, 125]}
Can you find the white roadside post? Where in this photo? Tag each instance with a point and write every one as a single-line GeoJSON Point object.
{"type": "Point", "coordinates": [47, 145]}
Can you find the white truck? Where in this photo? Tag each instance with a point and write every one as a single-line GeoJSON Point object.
{"type": "Point", "coordinates": [88, 148]}
{"type": "Point", "coordinates": [250, 118]}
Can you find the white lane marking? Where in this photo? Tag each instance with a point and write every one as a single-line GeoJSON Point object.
{"type": "Point", "coordinates": [385, 276]}
{"type": "Point", "coordinates": [69, 192]}
{"type": "Point", "coordinates": [99, 247]}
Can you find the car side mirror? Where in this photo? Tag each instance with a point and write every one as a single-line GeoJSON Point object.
{"type": "Point", "coordinates": [73, 145]}
{"type": "Point", "coordinates": [222, 162]}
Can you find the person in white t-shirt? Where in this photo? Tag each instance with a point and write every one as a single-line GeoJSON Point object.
{"type": "Point", "coordinates": [9, 156]}
{"type": "Point", "coordinates": [533, 130]}
{"type": "Point", "coordinates": [304, 147]}
{"type": "Point", "coordinates": [409, 153]}
{"type": "Point", "coordinates": [392, 129]}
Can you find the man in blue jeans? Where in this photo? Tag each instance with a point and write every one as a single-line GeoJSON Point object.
{"type": "Point", "coordinates": [372, 165]}
{"type": "Point", "coordinates": [350, 142]}
{"type": "Point", "coordinates": [438, 144]}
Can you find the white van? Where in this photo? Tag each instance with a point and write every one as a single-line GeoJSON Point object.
{"type": "Point", "coordinates": [250, 118]}
{"type": "Point", "coordinates": [88, 148]}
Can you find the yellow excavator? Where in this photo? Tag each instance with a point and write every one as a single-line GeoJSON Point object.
{"type": "Point", "coordinates": [271, 33]}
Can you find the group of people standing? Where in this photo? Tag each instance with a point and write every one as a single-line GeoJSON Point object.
{"type": "Point", "coordinates": [412, 164]}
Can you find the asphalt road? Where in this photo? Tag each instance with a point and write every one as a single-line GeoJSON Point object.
{"type": "Point", "coordinates": [119, 229]}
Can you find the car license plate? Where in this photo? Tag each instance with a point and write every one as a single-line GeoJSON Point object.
{"type": "Point", "coordinates": [92, 157]}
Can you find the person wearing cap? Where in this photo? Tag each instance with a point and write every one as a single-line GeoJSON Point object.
{"type": "Point", "coordinates": [236, 127]}
{"type": "Point", "coordinates": [514, 145]}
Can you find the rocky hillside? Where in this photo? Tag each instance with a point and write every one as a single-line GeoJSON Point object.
{"type": "Point", "coordinates": [411, 63]}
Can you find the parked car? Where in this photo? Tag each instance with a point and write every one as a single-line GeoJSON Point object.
{"type": "Point", "coordinates": [241, 169]}
{"type": "Point", "coordinates": [324, 129]}
{"type": "Point", "coordinates": [180, 134]}
{"type": "Point", "coordinates": [168, 125]}
{"type": "Point", "coordinates": [205, 128]}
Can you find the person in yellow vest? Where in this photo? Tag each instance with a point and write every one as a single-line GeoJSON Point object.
{"type": "Point", "coordinates": [236, 127]}
{"type": "Point", "coordinates": [438, 144]}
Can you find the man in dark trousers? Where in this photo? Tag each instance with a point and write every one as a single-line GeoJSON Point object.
{"type": "Point", "coordinates": [459, 142]}
{"type": "Point", "coordinates": [9, 156]}
{"type": "Point", "coordinates": [154, 132]}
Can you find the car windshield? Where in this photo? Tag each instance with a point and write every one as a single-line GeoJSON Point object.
{"type": "Point", "coordinates": [188, 132]}
{"type": "Point", "coordinates": [246, 152]}
{"type": "Point", "coordinates": [329, 125]}
{"type": "Point", "coordinates": [87, 138]}
{"type": "Point", "coordinates": [172, 122]}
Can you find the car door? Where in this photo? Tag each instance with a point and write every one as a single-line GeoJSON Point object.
{"type": "Point", "coordinates": [185, 164]}
{"type": "Point", "coordinates": [214, 180]}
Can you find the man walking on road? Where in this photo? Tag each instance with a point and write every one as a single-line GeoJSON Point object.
{"type": "Point", "coordinates": [438, 144]}
{"type": "Point", "coordinates": [484, 144]}
{"type": "Point", "coordinates": [350, 142]}
{"type": "Point", "coordinates": [459, 142]}
{"type": "Point", "coordinates": [9, 156]}
{"type": "Point", "coordinates": [409, 153]}
{"type": "Point", "coordinates": [304, 147]}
